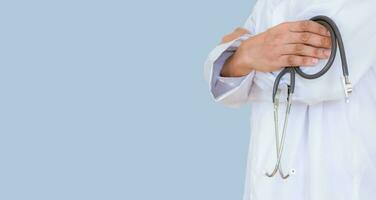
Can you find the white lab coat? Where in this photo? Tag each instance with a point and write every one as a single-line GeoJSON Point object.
{"type": "Point", "coordinates": [330, 144]}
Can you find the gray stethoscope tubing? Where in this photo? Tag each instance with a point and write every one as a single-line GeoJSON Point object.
{"type": "Point", "coordinates": [336, 39]}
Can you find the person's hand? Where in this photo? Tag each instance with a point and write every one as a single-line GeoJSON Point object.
{"type": "Point", "coordinates": [287, 44]}
{"type": "Point", "coordinates": [234, 35]}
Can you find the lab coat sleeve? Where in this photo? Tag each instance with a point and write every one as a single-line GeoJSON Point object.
{"type": "Point", "coordinates": [231, 91]}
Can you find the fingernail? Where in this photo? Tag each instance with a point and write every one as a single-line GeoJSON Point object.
{"type": "Point", "coordinates": [327, 53]}
{"type": "Point", "coordinates": [314, 60]}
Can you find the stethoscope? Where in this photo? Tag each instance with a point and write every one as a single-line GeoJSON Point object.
{"type": "Point", "coordinates": [336, 39]}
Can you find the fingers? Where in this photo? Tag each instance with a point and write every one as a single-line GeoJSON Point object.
{"type": "Point", "coordinates": [305, 50]}
{"type": "Point", "coordinates": [305, 44]}
{"type": "Point", "coordinates": [234, 35]}
{"type": "Point", "coordinates": [241, 31]}
{"type": "Point", "coordinates": [308, 26]}
{"type": "Point", "coordinates": [294, 61]}
{"type": "Point", "coordinates": [308, 38]}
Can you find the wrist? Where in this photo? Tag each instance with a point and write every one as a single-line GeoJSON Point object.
{"type": "Point", "coordinates": [235, 67]}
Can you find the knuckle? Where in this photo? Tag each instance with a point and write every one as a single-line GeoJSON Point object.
{"type": "Point", "coordinates": [281, 25]}
{"type": "Point", "coordinates": [304, 24]}
{"type": "Point", "coordinates": [299, 48]}
{"type": "Point", "coordinates": [322, 30]}
{"type": "Point", "coordinates": [284, 25]}
{"type": "Point", "coordinates": [329, 42]}
{"type": "Point", "coordinates": [305, 37]}
{"type": "Point", "coordinates": [325, 41]}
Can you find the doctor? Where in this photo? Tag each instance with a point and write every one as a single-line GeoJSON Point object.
{"type": "Point", "coordinates": [330, 149]}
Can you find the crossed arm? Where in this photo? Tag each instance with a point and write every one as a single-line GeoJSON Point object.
{"type": "Point", "coordinates": [300, 43]}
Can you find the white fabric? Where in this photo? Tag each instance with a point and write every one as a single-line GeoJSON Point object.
{"type": "Point", "coordinates": [224, 87]}
{"type": "Point", "coordinates": [330, 144]}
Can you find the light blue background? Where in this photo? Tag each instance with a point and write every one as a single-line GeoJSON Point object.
{"type": "Point", "coordinates": [106, 100]}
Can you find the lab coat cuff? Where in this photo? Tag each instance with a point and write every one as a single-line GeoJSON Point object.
{"type": "Point", "coordinates": [223, 51]}
{"type": "Point", "coordinates": [226, 87]}
{"type": "Point", "coordinates": [222, 86]}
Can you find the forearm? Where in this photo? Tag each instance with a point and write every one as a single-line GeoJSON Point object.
{"type": "Point", "coordinates": [240, 63]}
